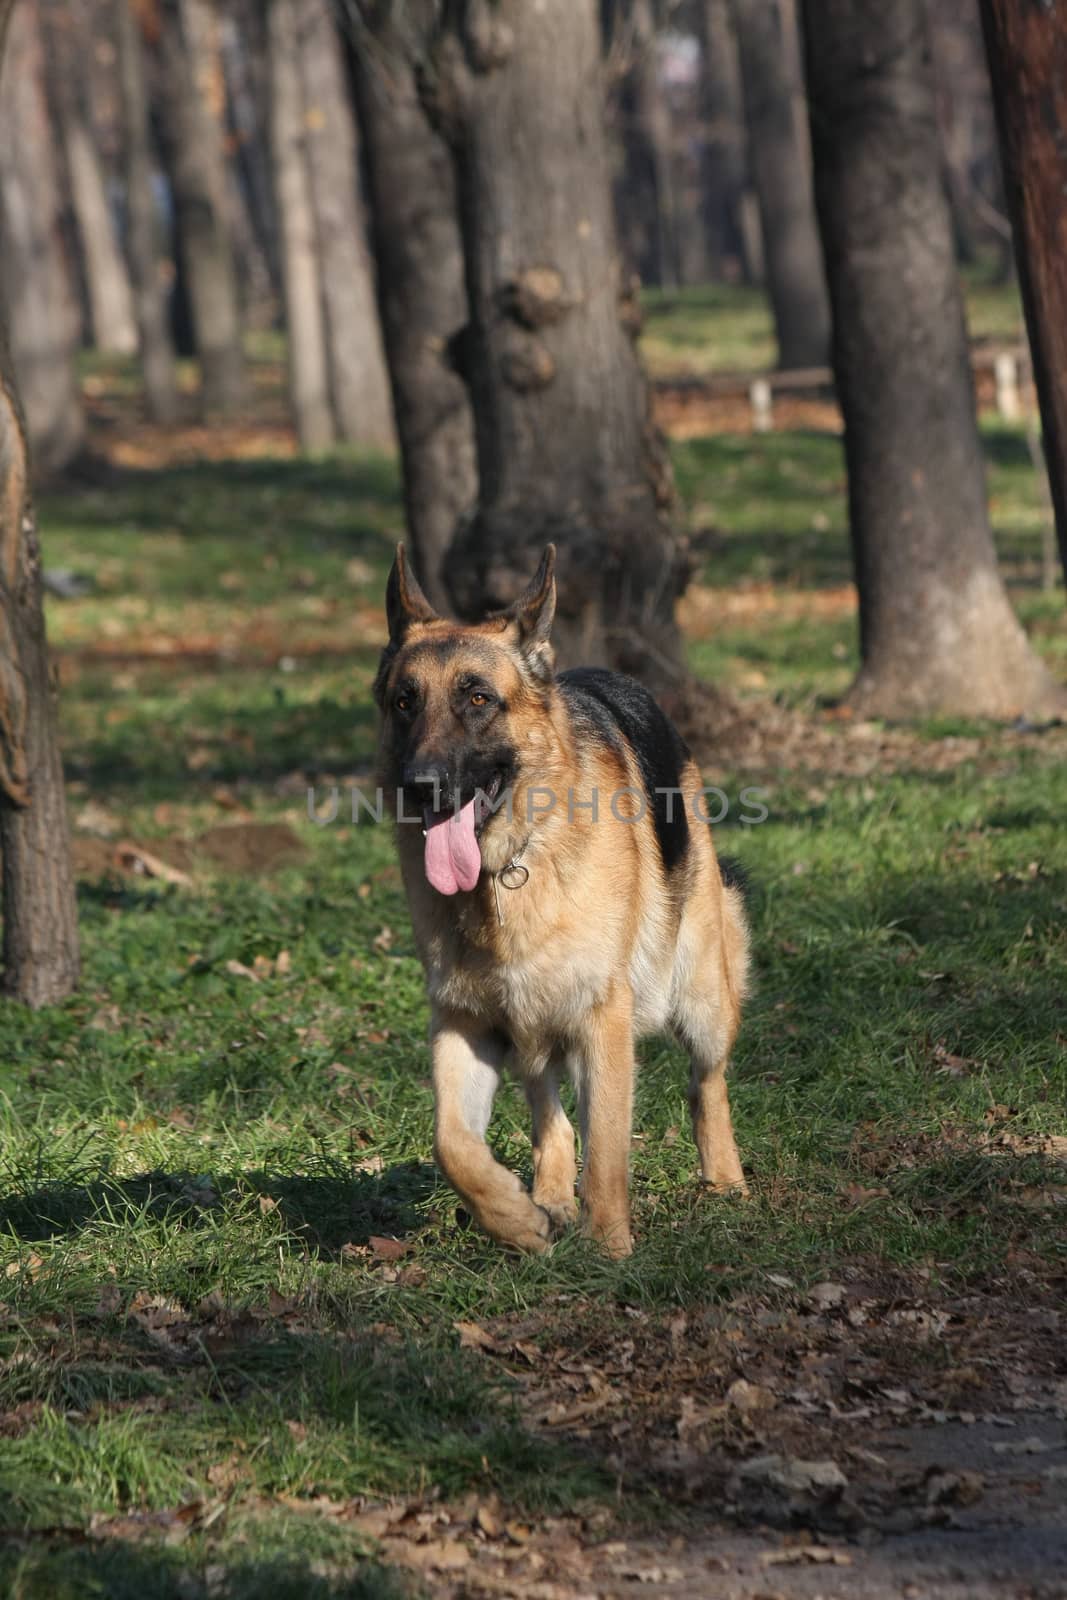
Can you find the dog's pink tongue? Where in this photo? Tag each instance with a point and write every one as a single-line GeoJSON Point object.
{"type": "Point", "coordinates": [453, 860]}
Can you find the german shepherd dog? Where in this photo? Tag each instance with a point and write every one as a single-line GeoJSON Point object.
{"type": "Point", "coordinates": [565, 903]}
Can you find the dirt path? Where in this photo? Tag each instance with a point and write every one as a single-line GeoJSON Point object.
{"type": "Point", "coordinates": [866, 1440]}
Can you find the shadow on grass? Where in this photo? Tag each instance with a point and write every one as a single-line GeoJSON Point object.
{"type": "Point", "coordinates": [325, 1210]}
{"type": "Point", "coordinates": [247, 1414]}
{"type": "Point", "coordinates": [253, 742]}
{"type": "Point", "coordinates": [74, 1567]}
{"type": "Point", "coordinates": [224, 503]}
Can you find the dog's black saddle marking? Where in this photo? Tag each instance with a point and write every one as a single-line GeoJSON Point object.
{"type": "Point", "coordinates": [614, 708]}
{"type": "Point", "coordinates": [735, 875]}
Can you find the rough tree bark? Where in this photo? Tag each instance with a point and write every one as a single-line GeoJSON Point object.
{"type": "Point", "coordinates": [189, 75]}
{"type": "Point", "coordinates": [40, 949]}
{"type": "Point", "coordinates": [359, 381]}
{"type": "Point", "coordinates": [723, 154]}
{"type": "Point", "coordinates": [936, 629]}
{"type": "Point", "coordinates": [143, 224]}
{"type": "Point", "coordinates": [421, 294]}
{"type": "Point", "coordinates": [309, 390]}
{"type": "Point", "coordinates": [781, 173]}
{"type": "Point", "coordinates": [107, 280]}
{"type": "Point", "coordinates": [34, 272]}
{"type": "Point", "coordinates": [565, 451]}
{"type": "Point", "coordinates": [1027, 49]}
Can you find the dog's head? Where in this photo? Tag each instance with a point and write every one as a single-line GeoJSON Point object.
{"type": "Point", "coordinates": [460, 707]}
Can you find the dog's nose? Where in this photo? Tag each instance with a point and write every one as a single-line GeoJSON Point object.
{"type": "Point", "coordinates": [429, 780]}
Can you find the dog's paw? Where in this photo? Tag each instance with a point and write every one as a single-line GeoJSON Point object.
{"type": "Point", "coordinates": [613, 1236]}
{"type": "Point", "coordinates": [561, 1217]}
{"type": "Point", "coordinates": [732, 1189]}
{"type": "Point", "coordinates": [526, 1227]}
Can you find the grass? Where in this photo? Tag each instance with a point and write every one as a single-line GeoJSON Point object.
{"type": "Point", "coordinates": [195, 1323]}
{"type": "Point", "coordinates": [717, 328]}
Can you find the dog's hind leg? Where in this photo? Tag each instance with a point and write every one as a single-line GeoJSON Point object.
{"type": "Point", "coordinates": [706, 1012]}
{"type": "Point", "coordinates": [709, 1104]}
{"type": "Point", "coordinates": [605, 1078]}
{"type": "Point", "coordinates": [555, 1167]}
{"type": "Point", "coordinates": [466, 1074]}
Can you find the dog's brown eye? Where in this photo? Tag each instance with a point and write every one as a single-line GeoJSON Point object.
{"type": "Point", "coordinates": [479, 699]}
{"type": "Point", "coordinates": [403, 702]}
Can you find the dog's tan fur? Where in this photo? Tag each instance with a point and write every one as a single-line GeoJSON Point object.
{"type": "Point", "coordinates": [599, 947]}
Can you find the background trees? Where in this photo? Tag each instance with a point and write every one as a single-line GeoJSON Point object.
{"type": "Point", "coordinates": [189, 84]}
{"type": "Point", "coordinates": [420, 278]}
{"type": "Point", "coordinates": [34, 268]}
{"type": "Point", "coordinates": [40, 941]}
{"type": "Point", "coordinates": [432, 214]}
{"type": "Point", "coordinates": [1028, 64]}
{"type": "Point", "coordinates": [937, 632]}
{"type": "Point", "coordinates": [780, 161]}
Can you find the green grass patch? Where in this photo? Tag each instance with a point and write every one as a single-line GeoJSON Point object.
{"type": "Point", "coordinates": [199, 1149]}
{"type": "Point", "coordinates": [713, 328]}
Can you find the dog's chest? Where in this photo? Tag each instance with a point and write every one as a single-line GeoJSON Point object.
{"type": "Point", "coordinates": [529, 985]}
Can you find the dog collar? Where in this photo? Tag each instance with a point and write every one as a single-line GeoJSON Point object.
{"type": "Point", "coordinates": [512, 875]}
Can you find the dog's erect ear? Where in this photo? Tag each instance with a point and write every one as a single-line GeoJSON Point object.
{"type": "Point", "coordinates": [405, 602]}
{"type": "Point", "coordinates": [533, 612]}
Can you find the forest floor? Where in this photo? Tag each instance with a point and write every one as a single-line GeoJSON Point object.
{"type": "Point", "coordinates": [251, 1344]}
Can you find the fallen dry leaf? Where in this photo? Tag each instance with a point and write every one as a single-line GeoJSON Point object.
{"type": "Point", "coordinates": [237, 969]}
{"type": "Point", "coordinates": [135, 858]}
{"type": "Point", "coordinates": [388, 1249]}
{"type": "Point", "coordinates": [436, 1555]}
{"type": "Point", "coordinates": [793, 1476]}
{"type": "Point", "coordinates": [472, 1336]}
{"type": "Point", "coordinates": [747, 1397]}
{"type": "Point", "coordinates": [1033, 1446]}
{"type": "Point", "coordinates": [825, 1296]}
{"type": "Point", "coordinates": [817, 1554]}
{"type": "Point", "coordinates": [487, 1522]}
{"type": "Point", "coordinates": [961, 1488]}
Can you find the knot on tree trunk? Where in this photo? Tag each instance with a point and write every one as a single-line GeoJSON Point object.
{"type": "Point", "coordinates": [487, 38]}
{"type": "Point", "coordinates": [534, 297]}
{"type": "Point", "coordinates": [526, 363]}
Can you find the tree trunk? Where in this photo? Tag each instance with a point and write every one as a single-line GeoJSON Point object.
{"type": "Point", "coordinates": [646, 206]}
{"type": "Point", "coordinates": [107, 280]}
{"type": "Point", "coordinates": [246, 63]}
{"type": "Point", "coordinates": [40, 922]}
{"type": "Point", "coordinates": [421, 293]}
{"type": "Point", "coordinates": [189, 79]}
{"type": "Point", "coordinates": [34, 273]}
{"type": "Point", "coordinates": [565, 451]}
{"type": "Point", "coordinates": [1027, 49]}
{"type": "Point", "coordinates": [936, 629]}
{"type": "Point", "coordinates": [309, 390]}
{"type": "Point", "coordinates": [723, 153]}
{"type": "Point", "coordinates": [143, 224]}
{"type": "Point", "coordinates": [359, 382]}
{"type": "Point", "coordinates": [781, 171]}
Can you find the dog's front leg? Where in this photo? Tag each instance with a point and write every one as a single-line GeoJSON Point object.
{"type": "Point", "coordinates": [555, 1169]}
{"type": "Point", "coordinates": [466, 1072]}
{"type": "Point", "coordinates": [606, 1094]}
